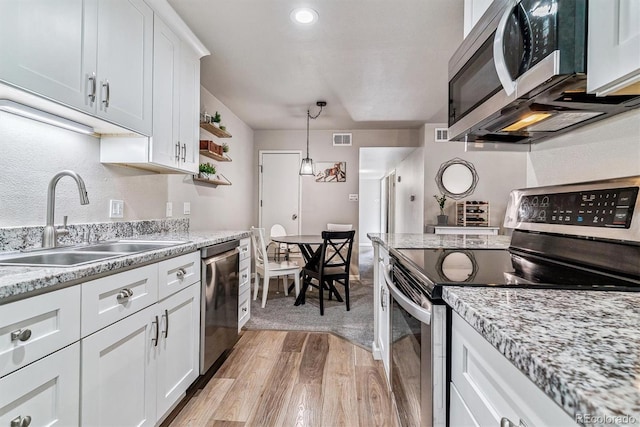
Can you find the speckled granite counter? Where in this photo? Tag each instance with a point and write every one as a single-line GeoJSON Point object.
{"type": "Point", "coordinates": [435, 241]}
{"type": "Point", "coordinates": [582, 348]}
{"type": "Point", "coordinates": [21, 282]}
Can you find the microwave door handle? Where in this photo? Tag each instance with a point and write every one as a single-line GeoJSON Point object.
{"type": "Point", "coordinates": [508, 84]}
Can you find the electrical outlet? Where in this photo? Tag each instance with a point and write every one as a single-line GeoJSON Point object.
{"type": "Point", "coordinates": [169, 209]}
{"type": "Point", "coordinates": [186, 208]}
{"type": "Point", "coordinates": [116, 208]}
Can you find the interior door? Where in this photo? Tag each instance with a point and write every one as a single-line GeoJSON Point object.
{"type": "Point", "coordinates": [280, 190]}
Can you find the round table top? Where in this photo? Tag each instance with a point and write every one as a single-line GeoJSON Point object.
{"type": "Point", "coordinates": [302, 239]}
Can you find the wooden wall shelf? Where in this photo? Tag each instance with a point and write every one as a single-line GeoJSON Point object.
{"type": "Point", "coordinates": [214, 130]}
{"type": "Point", "coordinates": [215, 156]}
{"type": "Point", "coordinates": [196, 178]}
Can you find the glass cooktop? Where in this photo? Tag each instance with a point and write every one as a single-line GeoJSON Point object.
{"type": "Point", "coordinates": [435, 268]}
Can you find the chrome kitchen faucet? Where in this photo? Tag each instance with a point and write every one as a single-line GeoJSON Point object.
{"type": "Point", "coordinates": [50, 233]}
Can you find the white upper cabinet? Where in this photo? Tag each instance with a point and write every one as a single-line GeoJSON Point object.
{"type": "Point", "coordinates": [93, 55]}
{"type": "Point", "coordinates": [125, 61]}
{"type": "Point", "coordinates": [613, 59]}
{"type": "Point", "coordinates": [189, 108]}
{"type": "Point", "coordinates": [49, 48]}
{"type": "Point", "coordinates": [473, 10]}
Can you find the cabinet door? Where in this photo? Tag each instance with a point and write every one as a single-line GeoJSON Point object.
{"type": "Point", "coordinates": [384, 318]}
{"type": "Point", "coordinates": [613, 57]}
{"type": "Point", "coordinates": [45, 392]}
{"type": "Point", "coordinates": [125, 61]}
{"type": "Point", "coordinates": [166, 56]}
{"type": "Point", "coordinates": [49, 48]}
{"type": "Point", "coordinates": [119, 372]}
{"type": "Point", "coordinates": [189, 132]}
{"type": "Point", "coordinates": [179, 348]}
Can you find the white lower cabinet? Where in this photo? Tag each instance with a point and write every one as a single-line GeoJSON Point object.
{"type": "Point", "coordinates": [244, 288]}
{"type": "Point", "coordinates": [178, 352]}
{"type": "Point", "coordinates": [119, 372]}
{"type": "Point", "coordinates": [43, 393]}
{"type": "Point", "coordinates": [382, 310]}
{"type": "Point", "coordinates": [486, 389]}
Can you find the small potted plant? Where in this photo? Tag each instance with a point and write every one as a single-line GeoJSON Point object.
{"type": "Point", "coordinates": [216, 120]}
{"type": "Point", "coordinates": [225, 146]}
{"type": "Point", "coordinates": [207, 170]}
{"type": "Point", "coordinates": [442, 218]}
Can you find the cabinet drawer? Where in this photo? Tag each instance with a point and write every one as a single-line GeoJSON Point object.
{"type": "Point", "coordinates": [44, 323]}
{"type": "Point", "coordinates": [109, 299]}
{"type": "Point", "coordinates": [492, 388]}
{"type": "Point", "coordinates": [245, 277]}
{"type": "Point", "coordinates": [244, 308]}
{"type": "Point", "coordinates": [178, 273]}
{"type": "Point", "coordinates": [47, 391]}
{"type": "Point", "coordinates": [245, 249]}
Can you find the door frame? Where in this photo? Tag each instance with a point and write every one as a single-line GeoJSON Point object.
{"type": "Point", "coordinates": [260, 183]}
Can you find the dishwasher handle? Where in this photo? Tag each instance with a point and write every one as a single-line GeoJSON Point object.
{"type": "Point", "coordinates": [214, 259]}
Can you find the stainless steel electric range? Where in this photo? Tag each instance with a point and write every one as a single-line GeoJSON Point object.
{"type": "Point", "coordinates": [582, 236]}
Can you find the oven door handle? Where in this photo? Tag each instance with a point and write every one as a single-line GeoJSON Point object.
{"type": "Point", "coordinates": [420, 313]}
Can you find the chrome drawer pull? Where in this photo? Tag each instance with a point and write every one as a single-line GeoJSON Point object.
{"type": "Point", "coordinates": [124, 295]}
{"type": "Point", "coordinates": [244, 309]}
{"type": "Point", "coordinates": [157, 325]}
{"type": "Point", "coordinates": [22, 335]}
{"type": "Point", "coordinates": [21, 421]}
{"type": "Point", "coordinates": [181, 273]}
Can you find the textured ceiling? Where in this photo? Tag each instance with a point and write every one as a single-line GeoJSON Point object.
{"type": "Point", "coordinates": [378, 64]}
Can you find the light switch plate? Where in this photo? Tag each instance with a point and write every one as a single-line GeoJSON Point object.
{"type": "Point", "coordinates": [169, 212]}
{"type": "Point", "coordinates": [116, 208]}
{"type": "Point", "coordinates": [186, 208]}
{"type": "Point", "coordinates": [353, 197]}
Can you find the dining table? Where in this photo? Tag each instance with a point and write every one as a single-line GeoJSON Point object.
{"type": "Point", "coordinates": [310, 247]}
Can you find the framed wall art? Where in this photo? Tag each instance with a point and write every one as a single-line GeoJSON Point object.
{"type": "Point", "coordinates": [331, 172]}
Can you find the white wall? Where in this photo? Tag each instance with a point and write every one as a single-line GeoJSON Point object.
{"type": "Point", "coordinates": [329, 202]}
{"type": "Point", "coordinates": [498, 174]}
{"type": "Point", "coordinates": [370, 205]}
{"type": "Point", "coordinates": [222, 207]}
{"type": "Point", "coordinates": [606, 149]}
{"type": "Point", "coordinates": [32, 152]}
{"type": "Point", "coordinates": [409, 214]}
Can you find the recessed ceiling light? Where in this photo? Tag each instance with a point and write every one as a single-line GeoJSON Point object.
{"type": "Point", "coordinates": [304, 15]}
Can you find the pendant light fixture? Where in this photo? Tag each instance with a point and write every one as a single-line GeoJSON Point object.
{"type": "Point", "coordinates": [306, 167]}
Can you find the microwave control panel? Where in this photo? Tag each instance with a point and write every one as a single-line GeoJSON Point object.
{"type": "Point", "coordinates": [611, 208]}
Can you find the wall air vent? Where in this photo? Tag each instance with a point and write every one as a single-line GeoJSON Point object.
{"type": "Point", "coordinates": [442, 134]}
{"type": "Point", "coordinates": [341, 139]}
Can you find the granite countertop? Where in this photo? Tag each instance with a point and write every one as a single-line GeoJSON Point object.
{"type": "Point", "coordinates": [20, 282]}
{"type": "Point", "coordinates": [582, 348]}
{"type": "Point", "coordinates": [436, 241]}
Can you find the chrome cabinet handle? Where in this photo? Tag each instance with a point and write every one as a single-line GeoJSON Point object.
{"type": "Point", "coordinates": [21, 421]}
{"type": "Point", "coordinates": [105, 101]}
{"type": "Point", "coordinates": [92, 94]}
{"type": "Point", "coordinates": [20, 334]}
{"type": "Point", "coordinates": [177, 151]}
{"type": "Point", "coordinates": [124, 295]}
{"type": "Point", "coordinates": [244, 309]}
{"type": "Point", "coordinates": [181, 273]}
{"type": "Point", "coordinates": [166, 323]}
{"type": "Point", "coordinates": [383, 302]}
{"type": "Point", "coordinates": [184, 152]}
{"type": "Point", "coordinates": [157, 325]}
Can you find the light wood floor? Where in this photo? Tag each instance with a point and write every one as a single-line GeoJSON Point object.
{"type": "Point", "coordinates": [278, 378]}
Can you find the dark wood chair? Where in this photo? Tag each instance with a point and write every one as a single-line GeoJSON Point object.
{"type": "Point", "coordinates": [333, 266]}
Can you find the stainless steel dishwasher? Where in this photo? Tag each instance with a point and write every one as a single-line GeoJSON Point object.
{"type": "Point", "coordinates": [219, 311]}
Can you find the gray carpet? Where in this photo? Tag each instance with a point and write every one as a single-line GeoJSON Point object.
{"type": "Point", "coordinates": [355, 325]}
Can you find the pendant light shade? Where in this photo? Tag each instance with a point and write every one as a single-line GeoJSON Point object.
{"type": "Point", "coordinates": [306, 167]}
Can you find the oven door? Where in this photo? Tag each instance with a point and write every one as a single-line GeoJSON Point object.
{"type": "Point", "coordinates": [418, 356]}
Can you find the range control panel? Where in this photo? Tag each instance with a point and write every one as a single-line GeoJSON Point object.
{"type": "Point", "coordinates": [595, 208]}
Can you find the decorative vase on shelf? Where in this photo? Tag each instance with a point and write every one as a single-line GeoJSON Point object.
{"type": "Point", "coordinates": [443, 219]}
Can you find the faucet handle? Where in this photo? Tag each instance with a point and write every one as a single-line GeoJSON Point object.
{"type": "Point", "coordinates": [64, 221]}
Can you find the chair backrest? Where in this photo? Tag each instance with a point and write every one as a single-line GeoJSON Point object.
{"type": "Point", "coordinates": [278, 230]}
{"type": "Point", "coordinates": [339, 227]}
{"type": "Point", "coordinates": [259, 246]}
{"type": "Point", "coordinates": [336, 249]}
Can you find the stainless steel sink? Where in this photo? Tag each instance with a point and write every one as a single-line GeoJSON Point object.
{"type": "Point", "coordinates": [72, 256]}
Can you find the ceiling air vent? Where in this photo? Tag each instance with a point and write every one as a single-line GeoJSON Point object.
{"type": "Point", "coordinates": [341, 139]}
{"type": "Point", "coordinates": [442, 134]}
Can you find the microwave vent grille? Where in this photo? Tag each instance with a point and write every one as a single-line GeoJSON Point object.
{"type": "Point", "coordinates": [442, 134]}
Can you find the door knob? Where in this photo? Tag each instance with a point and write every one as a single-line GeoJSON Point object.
{"type": "Point", "coordinates": [294, 217]}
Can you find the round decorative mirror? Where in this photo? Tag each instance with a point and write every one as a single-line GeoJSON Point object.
{"type": "Point", "coordinates": [457, 266]}
{"type": "Point", "coordinates": [457, 178]}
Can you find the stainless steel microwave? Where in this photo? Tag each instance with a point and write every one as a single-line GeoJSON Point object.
{"type": "Point", "coordinates": [520, 75]}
